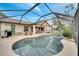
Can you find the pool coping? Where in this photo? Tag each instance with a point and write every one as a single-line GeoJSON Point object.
{"type": "Point", "coordinates": [7, 51]}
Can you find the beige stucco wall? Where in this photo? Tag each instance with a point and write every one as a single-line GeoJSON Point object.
{"type": "Point", "coordinates": [7, 26]}
{"type": "Point", "coordinates": [19, 28]}
{"type": "Point", "coordinates": [47, 28]}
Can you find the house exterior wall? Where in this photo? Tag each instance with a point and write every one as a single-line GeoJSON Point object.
{"type": "Point", "coordinates": [19, 28]}
{"type": "Point", "coordinates": [47, 27]}
{"type": "Point", "coordinates": [7, 26]}
{"type": "Point", "coordinates": [76, 26]}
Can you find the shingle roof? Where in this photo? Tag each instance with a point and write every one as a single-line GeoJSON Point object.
{"type": "Point", "coordinates": [4, 18]}
{"type": "Point", "coordinates": [2, 15]}
{"type": "Point", "coordinates": [13, 21]}
{"type": "Point", "coordinates": [42, 21]}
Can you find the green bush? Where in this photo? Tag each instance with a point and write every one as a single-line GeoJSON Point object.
{"type": "Point", "coordinates": [67, 33]}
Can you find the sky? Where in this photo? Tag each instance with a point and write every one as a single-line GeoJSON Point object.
{"type": "Point", "coordinates": [41, 10]}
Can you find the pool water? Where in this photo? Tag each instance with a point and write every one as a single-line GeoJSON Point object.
{"type": "Point", "coordinates": [38, 46]}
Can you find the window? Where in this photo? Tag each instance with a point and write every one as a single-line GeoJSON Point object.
{"type": "Point", "coordinates": [25, 28]}
{"type": "Point", "coordinates": [42, 28]}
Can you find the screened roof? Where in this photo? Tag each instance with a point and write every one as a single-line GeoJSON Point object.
{"type": "Point", "coordinates": [34, 12]}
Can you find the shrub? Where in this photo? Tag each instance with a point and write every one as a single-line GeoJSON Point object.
{"type": "Point", "coordinates": [67, 33]}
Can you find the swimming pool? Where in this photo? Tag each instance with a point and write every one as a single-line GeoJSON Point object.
{"type": "Point", "coordinates": [38, 46]}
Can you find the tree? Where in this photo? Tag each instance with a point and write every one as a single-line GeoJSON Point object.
{"type": "Point", "coordinates": [68, 9]}
{"type": "Point", "coordinates": [67, 31]}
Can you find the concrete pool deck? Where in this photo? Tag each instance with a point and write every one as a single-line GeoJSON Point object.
{"type": "Point", "coordinates": [69, 47]}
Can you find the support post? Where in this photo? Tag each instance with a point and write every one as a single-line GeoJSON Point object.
{"type": "Point", "coordinates": [33, 29]}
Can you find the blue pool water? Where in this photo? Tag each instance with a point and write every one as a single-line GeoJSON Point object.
{"type": "Point", "coordinates": [38, 46]}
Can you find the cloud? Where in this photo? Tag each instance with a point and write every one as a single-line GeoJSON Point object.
{"type": "Point", "coordinates": [65, 4]}
{"type": "Point", "coordinates": [36, 8]}
{"type": "Point", "coordinates": [62, 4]}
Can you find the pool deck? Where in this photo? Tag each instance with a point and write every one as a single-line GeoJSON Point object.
{"type": "Point", "coordinates": [69, 47]}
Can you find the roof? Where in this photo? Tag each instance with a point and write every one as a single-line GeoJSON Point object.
{"type": "Point", "coordinates": [10, 20]}
{"type": "Point", "coordinates": [2, 15]}
{"type": "Point", "coordinates": [42, 22]}
{"type": "Point", "coordinates": [13, 21]}
{"type": "Point", "coordinates": [4, 18]}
